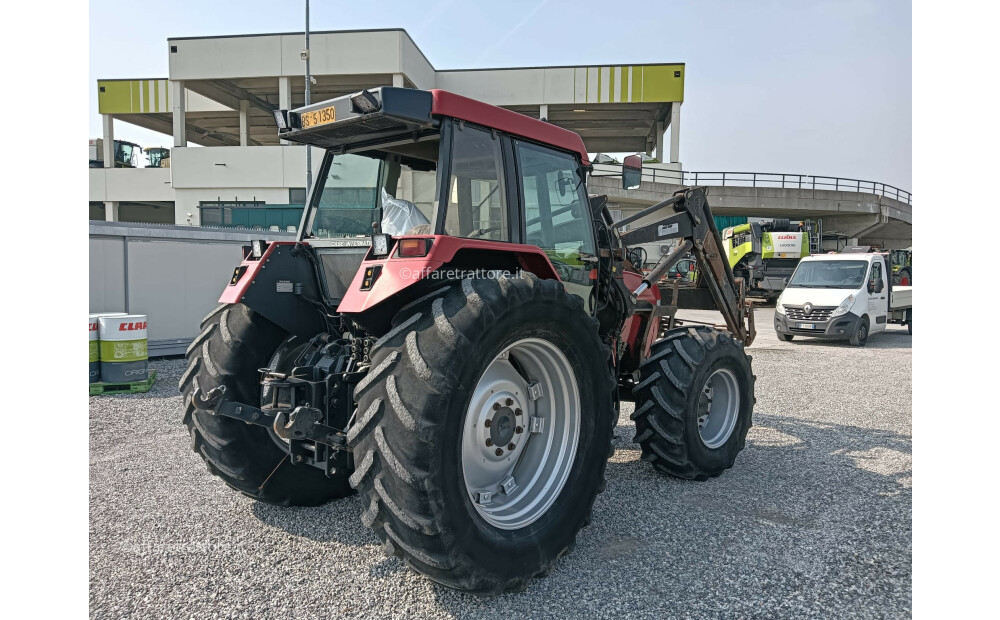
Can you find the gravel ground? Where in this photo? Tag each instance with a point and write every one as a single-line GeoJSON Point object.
{"type": "Point", "coordinates": [813, 521]}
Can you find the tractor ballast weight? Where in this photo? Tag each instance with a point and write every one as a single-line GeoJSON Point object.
{"type": "Point", "coordinates": [451, 336]}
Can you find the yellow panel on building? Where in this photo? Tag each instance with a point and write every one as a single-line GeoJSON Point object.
{"type": "Point", "coordinates": [632, 84]}
{"type": "Point", "coordinates": [133, 96]}
{"type": "Point", "coordinates": [662, 83]}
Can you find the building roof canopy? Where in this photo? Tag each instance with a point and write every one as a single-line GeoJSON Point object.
{"type": "Point", "coordinates": [613, 108]}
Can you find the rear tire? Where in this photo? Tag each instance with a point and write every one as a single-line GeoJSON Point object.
{"type": "Point", "coordinates": [234, 343]}
{"type": "Point", "coordinates": [786, 337]}
{"type": "Point", "coordinates": [909, 321]}
{"type": "Point", "coordinates": [670, 415]}
{"type": "Point", "coordinates": [415, 411]}
{"type": "Point", "coordinates": [860, 336]}
{"type": "Point", "coordinates": [903, 278]}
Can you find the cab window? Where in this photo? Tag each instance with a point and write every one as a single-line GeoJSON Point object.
{"type": "Point", "coordinates": [876, 272]}
{"type": "Point", "coordinates": [555, 204]}
{"type": "Point", "coordinates": [477, 203]}
{"type": "Point", "coordinates": [555, 212]}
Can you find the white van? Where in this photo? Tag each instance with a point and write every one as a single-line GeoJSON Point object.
{"type": "Point", "coordinates": [842, 297]}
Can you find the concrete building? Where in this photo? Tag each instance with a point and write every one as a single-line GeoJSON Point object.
{"type": "Point", "coordinates": [220, 93]}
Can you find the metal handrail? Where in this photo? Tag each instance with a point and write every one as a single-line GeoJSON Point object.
{"type": "Point", "coordinates": [781, 180]}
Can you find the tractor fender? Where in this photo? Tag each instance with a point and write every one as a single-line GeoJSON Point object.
{"type": "Point", "coordinates": [282, 286]}
{"type": "Point", "coordinates": [385, 284]}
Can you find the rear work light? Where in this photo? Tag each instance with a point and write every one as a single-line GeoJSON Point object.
{"type": "Point", "coordinates": [380, 245]}
{"type": "Point", "coordinates": [414, 248]}
{"type": "Point", "coordinates": [280, 119]}
{"type": "Point", "coordinates": [365, 103]}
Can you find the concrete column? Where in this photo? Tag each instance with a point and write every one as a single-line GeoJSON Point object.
{"type": "Point", "coordinates": [108, 122]}
{"type": "Point", "coordinates": [284, 96]}
{"type": "Point", "coordinates": [659, 142]}
{"type": "Point", "coordinates": [111, 211]}
{"type": "Point", "coordinates": [397, 80]}
{"type": "Point", "coordinates": [543, 111]}
{"type": "Point", "coordinates": [244, 123]}
{"type": "Point", "coordinates": [179, 108]}
{"type": "Point", "coordinates": [675, 132]}
{"type": "Point", "coordinates": [285, 93]}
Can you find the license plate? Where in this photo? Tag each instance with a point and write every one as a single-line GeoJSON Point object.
{"type": "Point", "coordinates": [806, 325]}
{"type": "Point", "coordinates": [319, 117]}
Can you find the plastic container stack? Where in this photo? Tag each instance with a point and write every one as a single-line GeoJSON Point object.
{"type": "Point", "coordinates": [95, 345]}
{"type": "Point", "coordinates": [122, 348]}
{"type": "Point", "coordinates": [95, 355]}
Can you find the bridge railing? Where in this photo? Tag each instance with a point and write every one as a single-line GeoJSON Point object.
{"type": "Point", "coordinates": [762, 179]}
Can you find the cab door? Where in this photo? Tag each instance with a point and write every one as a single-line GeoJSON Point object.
{"type": "Point", "coordinates": [878, 296]}
{"type": "Point", "coordinates": [553, 195]}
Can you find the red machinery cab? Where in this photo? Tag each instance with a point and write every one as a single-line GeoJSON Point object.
{"type": "Point", "coordinates": [454, 186]}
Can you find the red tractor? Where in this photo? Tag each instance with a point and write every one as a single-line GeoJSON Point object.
{"type": "Point", "coordinates": [451, 336]}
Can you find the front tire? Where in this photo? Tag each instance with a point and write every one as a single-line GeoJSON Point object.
{"type": "Point", "coordinates": [860, 336]}
{"type": "Point", "coordinates": [694, 403]}
{"type": "Point", "coordinates": [234, 343]}
{"type": "Point", "coordinates": [422, 412]}
{"type": "Point", "coordinates": [786, 337]}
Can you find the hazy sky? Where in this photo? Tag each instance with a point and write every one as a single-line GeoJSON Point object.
{"type": "Point", "coordinates": [803, 87]}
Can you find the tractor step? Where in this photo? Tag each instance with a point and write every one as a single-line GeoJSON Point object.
{"type": "Point", "coordinates": [123, 388]}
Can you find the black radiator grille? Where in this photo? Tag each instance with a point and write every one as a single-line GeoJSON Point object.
{"type": "Point", "coordinates": [818, 313]}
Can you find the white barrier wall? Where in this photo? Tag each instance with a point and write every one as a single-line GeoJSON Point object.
{"type": "Point", "coordinates": [131, 184]}
{"type": "Point", "coordinates": [173, 274]}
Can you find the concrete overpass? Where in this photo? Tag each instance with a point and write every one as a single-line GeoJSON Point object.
{"type": "Point", "coordinates": [855, 211]}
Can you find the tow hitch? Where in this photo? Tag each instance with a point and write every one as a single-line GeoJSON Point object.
{"type": "Point", "coordinates": [301, 427]}
{"type": "Point", "coordinates": [301, 423]}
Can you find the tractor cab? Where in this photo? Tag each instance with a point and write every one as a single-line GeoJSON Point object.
{"type": "Point", "coordinates": [424, 169]}
{"type": "Point", "coordinates": [126, 154]}
{"type": "Point", "coordinates": [158, 157]}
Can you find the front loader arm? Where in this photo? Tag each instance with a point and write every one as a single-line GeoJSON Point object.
{"type": "Point", "coordinates": [692, 221]}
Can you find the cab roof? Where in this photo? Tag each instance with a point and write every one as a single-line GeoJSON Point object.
{"type": "Point", "coordinates": [446, 103]}
{"type": "Point", "coordinates": [400, 110]}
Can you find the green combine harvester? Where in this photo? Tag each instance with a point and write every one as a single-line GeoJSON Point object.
{"type": "Point", "coordinates": [765, 254]}
{"type": "Point", "coordinates": [126, 153]}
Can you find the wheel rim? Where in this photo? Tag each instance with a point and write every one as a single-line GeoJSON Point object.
{"type": "Point", "coordinates": [718, 407]}
{"type": "Point", "coordinates": [862, 332]}
{"type": "Point", "coordinates": [520, 433]}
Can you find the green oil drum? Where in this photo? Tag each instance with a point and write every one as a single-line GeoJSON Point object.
{"type": "Point", "coordinates": [95, 345]}
{"type": "Point", "coordinates": [95, 356]}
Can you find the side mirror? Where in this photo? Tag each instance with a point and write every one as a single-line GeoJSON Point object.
{"type": "Point", "coordinates": [631, 172]}
{"type": "Point", "coordinates": [879, 285]}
